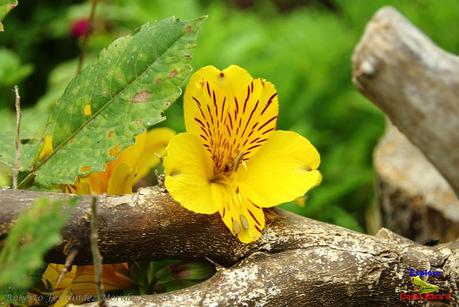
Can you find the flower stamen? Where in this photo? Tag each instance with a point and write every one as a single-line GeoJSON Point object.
{"type": "Point", "coordinates": [244, 222]}
{"type": "Point", "coordinates": [236, 227]}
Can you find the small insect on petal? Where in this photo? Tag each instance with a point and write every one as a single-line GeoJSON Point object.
{"type": "Point", "coordinates": [244, 221]}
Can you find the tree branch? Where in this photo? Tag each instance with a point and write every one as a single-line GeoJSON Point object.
{"type": "Point", "coordinates": [420, 210]}
{"type": "Point", "coordinates": [373, 272]}
{"type": "Point", "coordinates": [144, 225]}
{"type": "Point", "coordinates": [297, 260]}
{"type": "Point", "coordinates": [415, 83]}
{"type": "Point", "coordinates": [17, 157]}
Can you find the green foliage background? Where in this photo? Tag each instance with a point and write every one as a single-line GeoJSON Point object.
{"type": "Point", "coordinates": [303, 47]}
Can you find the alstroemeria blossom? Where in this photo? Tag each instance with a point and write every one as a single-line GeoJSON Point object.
{"type": "Point", "coordinates": [232, 159]}
{"type": "Point", "coordinates": [78, 285]}
{"type": "Point", "coordinates": [131, 165]}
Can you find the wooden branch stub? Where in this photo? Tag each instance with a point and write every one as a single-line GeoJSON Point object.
{"type": "Point", "coordinates": [415, 83]}
{"type": "Point", "coordinates": [419, 207]}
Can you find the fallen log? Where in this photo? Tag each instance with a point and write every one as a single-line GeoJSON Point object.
{"type": "Point", "coordinates": [297, 260]}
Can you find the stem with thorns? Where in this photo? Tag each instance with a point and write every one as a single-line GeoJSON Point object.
{"type": "Point", "coordinates": [18, 139]}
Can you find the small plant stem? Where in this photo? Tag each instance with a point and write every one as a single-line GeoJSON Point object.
{"type": "Point", "coordinates": [96, 256]}
{"type": "Point", "coordinates": [18, 138]}
{"type": "Point", "coordinates": [86, 36]}
{"type": "Point", "coordinates": [67, 266]}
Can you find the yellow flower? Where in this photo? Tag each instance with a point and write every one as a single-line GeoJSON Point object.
{"type": "Point", "coordinates": [78, 285]}
{"type": "Point", "coordinates": [131, 165]}
{"type": "Point", "coordinates": [231, 159]}
{"type": "Point", "coordinates": [119, 177]}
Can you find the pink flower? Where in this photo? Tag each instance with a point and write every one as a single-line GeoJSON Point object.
{"type": "Point", "coordinates": [79, 27]}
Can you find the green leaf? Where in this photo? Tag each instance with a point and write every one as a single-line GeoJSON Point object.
{"type": "Point", "coordinates": [12, 71]}
{"type": "Point", "coordinates": [5, 7]}
{"type": "Point", "coordinates": [33, 234]}
{"type": "Point", "coordinates": [8, 151]}
{"type": "Point", "coordinates": [134, 80]}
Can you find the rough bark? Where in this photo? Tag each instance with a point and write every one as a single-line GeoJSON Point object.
{"type": "Point", "coordinates": [298, 261]}
{"type": "Point", "coordinates": [415, 200]}
{"type": "Point", "coordinates": [367, 272]}
{"type": "Point", "coordinates": [144, 225]}
{"type": "Point", "coordinates": [415, 83]}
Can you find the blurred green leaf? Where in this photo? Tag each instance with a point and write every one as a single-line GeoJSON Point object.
{"type": "Point", "coordinates": [126, 90]}
{"type": "Point", "coordinates": [5, 7]}
{"type": "Point", "coordinates": [33, 234]}
{"type": "Point", "coordinates": [11, 69]}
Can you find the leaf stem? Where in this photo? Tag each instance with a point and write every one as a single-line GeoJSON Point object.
{"type": "Point", "coordinates": [18, 138]}
{"type": "Point", "coordinates": [86, 36]}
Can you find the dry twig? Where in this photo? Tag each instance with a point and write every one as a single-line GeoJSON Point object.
{"type": "Point", "coordinates": [96, 256]}
{"type": "Point", "coordinates": [17, 159]}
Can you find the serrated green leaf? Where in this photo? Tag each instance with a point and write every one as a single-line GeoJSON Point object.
{"type": "Point", "coordinates": [5, 7]}
{"type": "Point", "coordinates": [33, 233]}
{"type": "Point", "coordinates": [134, 80]}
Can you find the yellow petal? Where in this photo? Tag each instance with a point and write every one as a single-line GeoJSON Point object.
{"type": "Point", "coordinates": [235, 81]}
{"type": "Point", "coordinates": [78, 285]}
{"type": "Point", "coordinates": [95, 183]}
{"type": "Point", "coordinates": [252, 221]}
{"type": "Point", "coordinates": [132, 154]}
{"type": "Point", "coordinates": [232, 113]}
{"type": "Point", "coordinates": [114, 276]}
{"type": "Point", "coordinates": [136, 159]}
{"type": "Point", "coordinates": [62, 291]}
{"type": "Point", "coordinates": [243, 218]}
{"type": "Point", "coordinates": [283, 169]}
{"type": "Point", "coordinates": [121, 180]}
{"type": "Point", "coordinates": [189, 173]}
{"type": "Point", "coordinates": [143, 155]}
{"type": "Point", "coordinates": [155, 144]}
{"type": "Point", "coordinates": [52, 273]}
{"type": "Point", "coordinates": [63, 298]}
